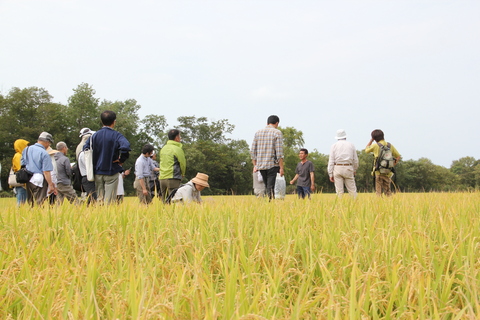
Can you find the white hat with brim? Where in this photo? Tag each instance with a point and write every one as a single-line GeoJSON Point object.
{"type": "Point", "coordinates": [201, 179]}
{"type": "Point", "coordinates": [85, 131]}
{"type": "Point", "coordinates": [341, 134]}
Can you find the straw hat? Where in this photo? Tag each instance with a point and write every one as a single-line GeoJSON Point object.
{"type": "Point", "coordinates": [201, 179]}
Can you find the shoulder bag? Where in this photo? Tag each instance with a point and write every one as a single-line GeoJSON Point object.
{"type": "Point", "coordinates": [89, 161]}
{"type": "Point", "coordinates": [12, 180]}
{"type": "Point", "coordinates": [23, 175]}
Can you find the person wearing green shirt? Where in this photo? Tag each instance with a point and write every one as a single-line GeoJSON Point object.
{"type": "Point", "coordinates": [172, 164]}
{"type": "Point", "coordinates": [382, 181]}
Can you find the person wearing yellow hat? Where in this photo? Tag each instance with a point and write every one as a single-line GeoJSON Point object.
{"type": "Point", "coordinates": [191, 190]}
{"type": "Point", "coordinates": [19, 145]}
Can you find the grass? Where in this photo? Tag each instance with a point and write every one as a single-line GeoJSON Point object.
{"type": "Point", "coordinates": [412, 256]}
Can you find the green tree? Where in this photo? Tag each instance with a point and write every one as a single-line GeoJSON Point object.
{"type": "Point", "coordinates": [199, 129]}
{"type": "Point", "coordinates": [153, 130]}
{"type": "Point", "coordinates": [292, 143]}
{"type": "Point", "coordinates": [464, 168]}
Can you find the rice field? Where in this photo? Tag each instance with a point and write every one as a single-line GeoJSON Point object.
{"type": "Point", "coordinates": [412, 256]}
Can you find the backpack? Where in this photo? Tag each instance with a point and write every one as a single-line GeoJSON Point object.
{"type": "Point", "coordinates": [76, 178]}
{"type": "Point", "coordinates": [385, 160]}
{"type": "Point", "coordinates": [170, 196]}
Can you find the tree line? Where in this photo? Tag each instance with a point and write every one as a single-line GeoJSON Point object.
{"type": "Point", "coordinates": [24, 113]}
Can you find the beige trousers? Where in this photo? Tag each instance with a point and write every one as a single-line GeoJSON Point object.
{"type": "Point", "coordinates": [344, 175]}
{"type": "Point", "coordinates": [382, 184]}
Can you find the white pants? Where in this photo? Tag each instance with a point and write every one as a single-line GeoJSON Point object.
{"type": "Point", "coordinates": [344, 175]}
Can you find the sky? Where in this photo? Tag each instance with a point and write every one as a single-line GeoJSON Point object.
{"type": "Point", "coordinates": [410, 68]}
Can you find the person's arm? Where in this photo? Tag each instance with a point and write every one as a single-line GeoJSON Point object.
{"type": "Point", "coordinates": [294, 179]}
{"type": "Point", "coordinates": [331, 162]}
{"type": "Point", "coordinates": [51, 185]}
{"type": "Point", "coordinates": [312, 179]}
{"type": "Point", "coordinates": [144, 188]}
{"type": "Point", "coordinates": [253, 154]}
{"type": "Point", "coordinates": [280, 163]}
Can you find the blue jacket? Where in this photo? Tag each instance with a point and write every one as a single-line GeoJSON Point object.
{"type": "Point", "coordinates": [110, 148]}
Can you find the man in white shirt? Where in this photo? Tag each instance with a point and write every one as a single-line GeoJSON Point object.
{"type": "Point", "coordinates": [343, 164]}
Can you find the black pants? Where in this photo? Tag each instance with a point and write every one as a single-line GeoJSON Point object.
{"type": "Point", "coordinates": [89, 188]}
{"type": "Point", "coordinates": [269, 176]}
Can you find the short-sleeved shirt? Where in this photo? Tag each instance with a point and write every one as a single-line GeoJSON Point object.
{"type": "Point", "coordinates": [267, 148]}
{"type": "Point", "coordinates": [303, 170]}
{"type": "Point", "coordinates": [375, 148]}
{"type": "Point", "coordinates": [38, 159]}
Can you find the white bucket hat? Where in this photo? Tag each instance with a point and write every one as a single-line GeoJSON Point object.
{"type": "Point", "coordinates": [341, 134]}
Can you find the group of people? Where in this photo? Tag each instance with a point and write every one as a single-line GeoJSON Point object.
{"type": "Point", "coordinates": [267, 158]}
{"type": "Point", "coordinates": [108, 150]}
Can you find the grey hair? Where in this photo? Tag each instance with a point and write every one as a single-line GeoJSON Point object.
{"type": "Point", "coordinates": [61, 145]}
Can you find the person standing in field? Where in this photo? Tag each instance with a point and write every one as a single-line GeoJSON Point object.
{"type": "Point", "coordinates": [20, 192]}
{"type": "Point", "coordinates": [381, 150]}
{"type": "Point", "coordinates": [343, 165]}
{"type": "Point", "coordinates": [304, 173]}
{"type": "Point", "coordinates": [37, 160]}
{"type": "Point", "coordinates": [85, 133]}
{"type": "Point", "coordinates": [64, 174]}
{"type": "Point", "coordinates": [143, 168]}
{"type": "Point", "coordinates": [110, 150]}
{"type": "Point", "coordinates": [173, 164]}
{"type": "Point", "coordinates": [267, 154]}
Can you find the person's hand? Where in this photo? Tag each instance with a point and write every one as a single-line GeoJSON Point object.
{"type": "Point", "coordinates": [292, 182]}
{"type": "Point", "coordinates": [255, 169]}
{"type": "Point", "coordinates": [312, 187]}
{"type": "Point", "coordinates": [281, 172]}
{"type": "Point", "coordinates": [145, 192]}
{"type": "Point", "coordinates": [332, 179]}
{"type": "Point", "coordinates": [127, 172]}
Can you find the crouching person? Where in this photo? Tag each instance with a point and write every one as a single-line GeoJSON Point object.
{"type": "Point", "coordinates": [191, 190]}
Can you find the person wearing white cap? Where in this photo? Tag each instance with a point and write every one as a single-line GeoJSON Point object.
{"type": "Point", "coordinates": [191, 190]}
{"type": "Point", "coordinates": [37, 160]}
{"type": "Point", "coordinates": [343, 165]}
{"type": "Point", "coordinates": [85, 133]}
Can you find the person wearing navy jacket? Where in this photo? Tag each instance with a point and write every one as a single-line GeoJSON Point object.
{"type": "Point", "coordinates": [110, 150]}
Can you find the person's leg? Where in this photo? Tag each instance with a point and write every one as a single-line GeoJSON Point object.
{"type": "Point", "coordinates": [68, 192]}
{"type": "Point", "coordinates": [111, 187]}
{"type": "Point", "coordinates": [157, 187]}
{"type": "Point", "coordinates": [89, 188]}
{"type": "Point", "coordinates": [378, 185]}
{"type": "Point", "coordinates": [386, 186]}
{"type": "Point", "coordinates": [29, 188]}
{"type": "Point", "coordinates": [349, 178]}
{"type": "Point", "coordinates": [306, 192]}
{"type": "Point", "coordinates": [270, 182]}
{"type": "Point", "coordinates": [300, 192]}
{"type": "Point", "coordinates": [21, 194]}
{"type": "Point", "coordinates": [40, 193]}
{"type": "Point", "coordinates": [338, 180]}
{"type": "Point", "coordinates": [100, 187]}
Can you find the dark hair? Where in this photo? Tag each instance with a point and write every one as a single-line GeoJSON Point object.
{"type": "Point", "coordinates": [172, 134]}
{"type": "Point", "coordinates": [273, 119]}
{"type": "Point", "coordinates": [108, 117]}
{"type": "Point", "coordinates": [148, 148]}
{"type": "Point", "coordinates": [304, 150]}
{"type": "Point", "coordinates": [377, 135]}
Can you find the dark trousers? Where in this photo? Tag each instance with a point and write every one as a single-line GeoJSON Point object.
{"type": "Point", "coordinates": [269, 176]}
{"type": "Point", "coordinates": [37, 195]}
{"type": "Point", "coordinates": [89, 188]}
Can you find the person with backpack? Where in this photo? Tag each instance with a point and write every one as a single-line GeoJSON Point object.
{"type": "Point", "coordinates": [386, 157]}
